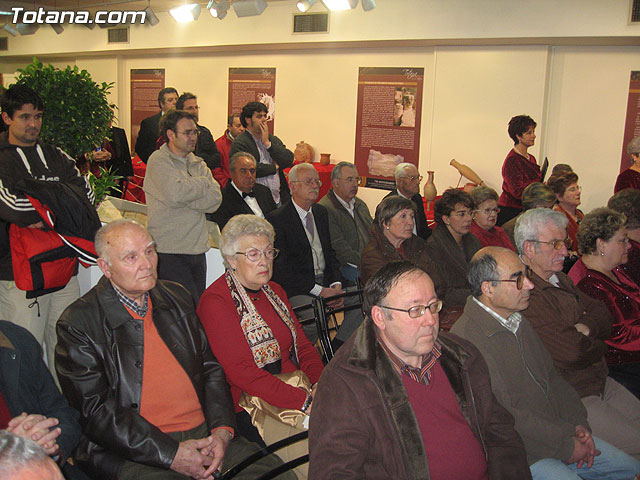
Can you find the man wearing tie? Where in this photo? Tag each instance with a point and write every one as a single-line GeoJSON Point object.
{"type": "Point", "coordinates": [242, 194]}
{"type": "Point", "coordinates": [307, 266]}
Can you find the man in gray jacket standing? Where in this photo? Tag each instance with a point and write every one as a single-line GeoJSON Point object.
{"type": "Point", "coordinates": [180, 190]}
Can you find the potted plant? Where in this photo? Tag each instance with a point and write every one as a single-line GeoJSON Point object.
{"type": "Point", "coordinates": [78, 114]}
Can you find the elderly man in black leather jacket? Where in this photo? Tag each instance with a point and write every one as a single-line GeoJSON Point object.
{"type": "Point", "coordinates": [134, 360]}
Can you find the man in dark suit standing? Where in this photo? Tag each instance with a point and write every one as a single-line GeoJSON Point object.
{"type": "Point", "coordinates": [149, 127]}
{"type": "Point", "coordinates": [272, 156]}
{"type": "Point", "coordinates": [408, 185]}
{"type": "Point", "coordinates": [242, 194]}
{"type": "Point", "coordinates": [206, 146]}
{"type": "Point", "coordinates": [306, 266]}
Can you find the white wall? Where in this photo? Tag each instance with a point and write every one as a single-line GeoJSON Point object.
{"type": "Point", "coordinates": [577, 94]}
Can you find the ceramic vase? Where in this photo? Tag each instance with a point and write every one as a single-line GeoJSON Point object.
{"type": "Point", "coordinates": [429, 192]}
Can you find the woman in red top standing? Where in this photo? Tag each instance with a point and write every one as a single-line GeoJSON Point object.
{"type": "Point", "coordinates": [485, 201]}
{"type": "Point", "coordinates": [519, 169]}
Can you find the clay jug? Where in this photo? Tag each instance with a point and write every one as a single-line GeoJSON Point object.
{"type": "Point", "coordinates": [325, 158]}
{"type": "Point", "coordinates": [429, 192]}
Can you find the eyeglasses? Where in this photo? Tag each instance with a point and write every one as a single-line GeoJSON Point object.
{"type": "Point", "coordinates": [519, 280]}
{"type": "Point", "coordinates": [575, 189]}
{"type": "Point", "coordinates": [557, 244]}
{"type": "Point", "coordinates": [418, 310]}
{"type": "Point", "coordinates": [414, 177]}
{"type": "Point", "coordinates": [253, 255]}
{"type": "Point", "coordinates": [309, 182]}
{"type": "Point", "coordinates": [190, 133]}
{"type": "Point", "coordinates": [488, 211]}
{"type": "Point", "coordinates": [461, 213]}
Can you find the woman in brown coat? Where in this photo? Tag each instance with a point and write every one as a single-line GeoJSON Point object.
{"type": "Point", "coordinates": [451, 246]}
{"type": "Point", "coordinates": [392, 238]}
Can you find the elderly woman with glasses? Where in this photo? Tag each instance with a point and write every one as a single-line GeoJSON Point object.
{"type": "Point", "coordinates": [604, 244]}
{"type": "Point", "coordinates": [392, 238]}
{"type": "Point", "coordinates": [565, 186]}
{"type": "Point", "coordinates": [485, 215]}
{"type": "Point", "coordinates": [252, 330]}
{"type": "Point", "coordinates": [450, 247]}
{"type": "Point", "coordinates": [630, 178]}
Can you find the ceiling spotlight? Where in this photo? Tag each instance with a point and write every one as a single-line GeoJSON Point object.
{"type": "Point", "coordinates": [335, 5]}
{"type": "Point", "coordinates": [218, 9]}
{"type": "Point", "coordinates": [185, 13]}
{"type": "Point", "coordinates": [10, 30]}
{"type": "Point", "coordinates": [304, 5]}
{"type": "Point", "coordinates": [151, 17]}
{"type": "Point", "coordinates": [247, 8]}
{"type": "Point", "coordinates": [368, 5]}
{"type": "Point", "coordinates": [58, 28]}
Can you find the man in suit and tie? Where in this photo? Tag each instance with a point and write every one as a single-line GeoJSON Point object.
{"type": "Point", "coordinates": [306, 266]}
{"type": "Point", "coordinates": [150, 126]}
{"type": "Point", "coordinates": [408, 186]}
{"type": "Point", "coordinates": [242, 194]}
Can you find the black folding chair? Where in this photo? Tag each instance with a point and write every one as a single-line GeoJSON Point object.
{"type": "Point", "coordinates": [327, 316]}
{"type": "Point", "coordinates": [268, 450]}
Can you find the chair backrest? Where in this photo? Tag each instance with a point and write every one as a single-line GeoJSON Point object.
{"type": "Point", "coordinates": [328, 316]}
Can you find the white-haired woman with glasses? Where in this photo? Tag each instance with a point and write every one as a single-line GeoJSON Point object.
{"type": "Point", "coordinates": [485, 215]}
{"type": "Point", "coordinates": [252, 330]}
{"type": "Point", "coordinates": [604, 244]}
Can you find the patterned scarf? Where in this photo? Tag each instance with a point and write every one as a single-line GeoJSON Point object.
{"type": "Point", "coordinates": [264, 346]}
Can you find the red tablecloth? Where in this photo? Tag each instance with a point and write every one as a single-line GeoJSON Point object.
{"type": "Point", "coordinates": [134, 191]}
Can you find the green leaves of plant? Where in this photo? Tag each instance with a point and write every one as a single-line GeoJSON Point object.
{"type": "Point", "coordinates": [77, 113]}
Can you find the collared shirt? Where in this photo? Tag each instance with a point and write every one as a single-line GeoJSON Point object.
{"type": "Point", "coordinates": [127, 302]}
{"type": "Point", "coordinates": [251, 202]}
{"type": "Point", "coordinates": [512, 323]}
{"type": "Point", "coordinates": [554, 280]}
{"type": "Point", "coordinates": [420, 375]}
{"type": "Point", "coordinates": [350, 205]}
{"type": "Point", "coordinates": [270, 181]}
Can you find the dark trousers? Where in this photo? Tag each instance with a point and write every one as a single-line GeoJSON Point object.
{"type": "Point", "coordinates": [238, 450]}
{"type": "Point", "coordinates": [188, 270]}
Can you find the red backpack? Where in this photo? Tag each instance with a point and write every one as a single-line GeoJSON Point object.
{"type": "Point", "coordinates": [44, 260]}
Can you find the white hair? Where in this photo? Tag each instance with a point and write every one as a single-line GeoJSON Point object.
{"type": "Point", "coordinates": [19, 453]}
{"type": "Point", "coordinates": [401, 168]}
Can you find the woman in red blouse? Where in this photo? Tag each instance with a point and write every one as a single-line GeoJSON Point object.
{"type": "Point", "coordinates": [630, 178]}
{"type": "Point", "coordinates": [485, 215]}
{"type": "Point", "coordinates": [519, 168]}
{"type": "Point", "coordinates": [604, 245]}
{"type": "Point", "coordinates": [252, 330]}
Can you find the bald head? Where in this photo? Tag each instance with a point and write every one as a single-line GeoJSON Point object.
{"type": "Point", "coordinates": [23, 459]}
{"type": "Point", "coordinates": [128, 257]}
